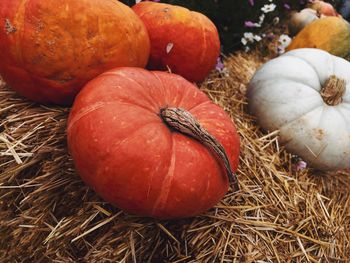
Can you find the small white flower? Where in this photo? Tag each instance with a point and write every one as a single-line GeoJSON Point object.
{"type": "Point", "coordinates": [268, 8]}
{"type": "Point", "coordinates": [257, 38]}
{"type": "Point", "coordinates": [249, 36]}
{"type": "Point", "coordinates": [138, 1]}
{"type": "Point", "coordinates": [284, 40]}
{"type": "Point", "coordinates": [261, 18]}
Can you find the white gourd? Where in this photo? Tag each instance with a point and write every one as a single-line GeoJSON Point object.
{"type": "Point", "coordinates": [305, 94]}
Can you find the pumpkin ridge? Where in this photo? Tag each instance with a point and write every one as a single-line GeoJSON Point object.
{"type": "Point", "coordinates": [326, 144]}
{"type": "Point", "coordinates": [180, 102]}
{"type": "Point", "coordinates": [163, 89]}
{"type": "Point", "coordinates": [324, 108]}
{"type": "Point", "coordinates": [344, 118]}
{"type": "Point", "coordinates": [198, 17]}
{"type": "Point", "coordinates": [306, 113]}
{"type": "Point", "coordinates": [163, 196]}
{"type": "Point", "coordinates": [21, 15]}
{"type": "Point", "coordinates": [285, 79]}
{"type": "Point", "coordinates": [128, 136]}
{"type": "Point", "coordinates": [312, 66]}
{"type": "Point", "coordinates": [83, 112]}
{"type": "Point", "coordinates": [199, 105]}
{"type": "Point", "coordinates": [131, 103]}
{"type": "Point", "coordinates": [267, 100]}
{"type": "Point", "coordinates": [150, 100]}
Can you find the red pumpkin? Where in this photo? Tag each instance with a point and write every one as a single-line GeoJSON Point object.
{"type": "Point", "coordinates": [123, 148]}
{"type": "Point", "coordinates": [185, 42]}
{"type": "Point", "coordinates": [50, 49]}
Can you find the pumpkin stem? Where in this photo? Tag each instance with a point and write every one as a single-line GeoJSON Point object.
{"type": "Point", "coordinates": [184, 122]}
{"type": "Point", "coordinates": [333, 90]}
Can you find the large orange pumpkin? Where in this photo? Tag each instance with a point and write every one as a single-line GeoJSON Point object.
{"type": "Point", "coordinates": [50, 49]}
{"type": "Point", "coordinates": [185, 42]}
{"type": "Point", "coordinates": [123, 147]}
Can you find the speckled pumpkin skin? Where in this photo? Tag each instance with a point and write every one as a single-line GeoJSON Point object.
{"type": "Point", "coordinates": [186, 42]}
{"type": "Point", "coordinates": [331, 34]}
{"type": "Point", "coordinates": [124, 150]}
{"type": "Point", "coordinates": [50, 49]}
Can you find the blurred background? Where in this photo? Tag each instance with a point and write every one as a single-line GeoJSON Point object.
{"type": "Point", "coordinates": [234, 18]}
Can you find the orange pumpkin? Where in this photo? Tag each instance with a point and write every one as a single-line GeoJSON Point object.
{"type": "Point", "coordinates": [331, 34]}
{"type": "Point", "coordinates": [50, 49]}
{"type": "Point", "coordinates": [124, 140]}
{"type": "Point", "coordinates": [185, 42]}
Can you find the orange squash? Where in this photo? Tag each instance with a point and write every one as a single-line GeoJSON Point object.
{"type": "Point", "coordinates": [331, 34]}
{"type": "Point", "coordinates": [185, 42]}
{"type": "Point", "coordinates": [50, 49]}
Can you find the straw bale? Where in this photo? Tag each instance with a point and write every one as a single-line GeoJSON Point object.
{"type": "Point", "coordinates": [47, 214]}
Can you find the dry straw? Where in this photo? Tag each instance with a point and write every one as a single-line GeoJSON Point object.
{"type": "Point", "coordinates": [280, 215]}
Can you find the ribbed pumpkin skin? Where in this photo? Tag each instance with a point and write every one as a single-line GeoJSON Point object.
{"type": "Point", "coordinates": [50, 49]}
{"type": "Point", "coordinates": [286, 94]}
{"type": "Point", "coordinates": [130, 157]}
{"type": "Point", "coordinates": [186, 42]}
{"type": "Point", "coordinates": [331, 34]}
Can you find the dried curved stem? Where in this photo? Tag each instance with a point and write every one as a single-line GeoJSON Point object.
{"type": "Point", "coordinates": [333, 90]}
{"type": "Point", "coordinates": [184, 122]}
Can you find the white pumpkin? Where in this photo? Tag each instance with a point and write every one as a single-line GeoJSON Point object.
{"type": "Point", "coordinates": [305, 94]}
{"type": "Point", "coordinates": [298, 20]}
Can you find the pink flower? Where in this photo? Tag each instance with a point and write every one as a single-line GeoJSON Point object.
{"type": "Point", "coordinates": [299, 166]}
{"type": "Point", "coordinates": [249, 24]}
{"type": "Point", "coordinates": [251, 2]}
{"type": "Point", "coordinates": [219, 65]}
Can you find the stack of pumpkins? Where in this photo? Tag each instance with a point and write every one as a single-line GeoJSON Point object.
{"type": "Point", "coordinates": [149, 142]}
{"type": "Point", "coordinates": [320, 26]}
{"type": "Point", "coordinates": [314, 10]}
